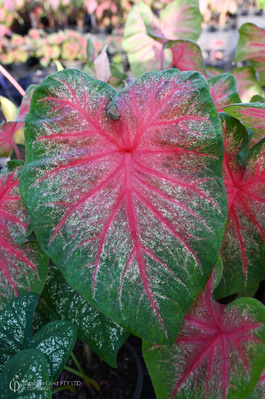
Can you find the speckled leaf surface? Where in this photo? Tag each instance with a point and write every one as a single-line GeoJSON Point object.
{"type": "Point", "coordinates": [186, 56]}
{"type": "Point", "coordinates": [252, 115]}
{"type": "Point", "coordinates": [180, 19]}
{"type": "Point", "coordinates": [23, 266]}
{"type": "Point", "coordinates": [26, 377]}
{"type": "Point", "coordinates": [251, 47]}
{"type": "Point", "coordinates": [247, 83]}
{"type": "Point", "coordinates": [259, 391]}
{"type": "Point", "coordinates": [223, 90]}
{"type": "Point", "coordinates": [55, 340]}
{"type": "Point", "coordinates": [131, 231]}
{"type": "Point", "coordinates": [101, 333]}
{"type": "Point", "coordinates": [242, 250]}
{"type": "Point", "coordinates": [218, 354]}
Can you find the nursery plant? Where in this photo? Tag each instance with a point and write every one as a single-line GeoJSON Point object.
{"type": "Point", "coordinates": [137, 212]}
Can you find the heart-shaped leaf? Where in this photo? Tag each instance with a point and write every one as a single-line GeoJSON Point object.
{"type": "Point", "coordinates": [101, 333]}
{"type": "Point", "coordinates": [180, 19]}
{"type": "Point", "coordinates": [218, 354]}
{"type": "Point", "coordinates": [186, 56]}
{"type": "Point", "coordinates": [131, 210]}
{"type": "Point", "coordinates": [23, 266]}
{"type": "Point", "coordinates": [242, 249]}
{"type": "Point", "coordinates": [223, 90]}
{"type": "Point", "coordinates": [144, 53]}
{"type": "Point", "coordinates": [247, 83]}
{"type": "Point", "coordinates": [55, 340]}
{"type": "Point", "coordinates": [251, 47]}
{"type": "Point", "coordinates": [252, 115]}
{"type": "Point", "coordinates": [26, 377]}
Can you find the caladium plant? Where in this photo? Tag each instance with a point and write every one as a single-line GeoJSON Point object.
{"type": "Point", "coordinates": [137, 218]}
{"type": "Point", "coordinates": [128, 195]}
{"type": "Point", "coordinates": [218, 353]}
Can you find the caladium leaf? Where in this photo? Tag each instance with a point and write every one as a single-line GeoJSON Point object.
{"type": "Point", "coordinates": [247, 83]}
{"type": "Point", "coordinates": [257, 98]}
{"type": "Point", "coordinates": [218, 354]}
{"type": "Point", "coordinates": [186, 56]}
{"type": "Point", "coordinates": [23, 266]}
{"type": "Point", "coordinates": [101, 333]}
{"type": "Point", "coordinates": [223, 90]}
{"type": "Point", "coordinates": [213, 71]}
{"type": "Point", "coordinates": [26, 377]}
{"type": "Point", "coordinates": [55, 340]}
{"type": "Point", "coordinates": [144, 53]}
{"type": "Point", "coordinates": [133, 232]}
{"type": "Point", "coordinates": [251, 47]}
{"type": "Point", "coordinates": [180, 19]}
{"type": "Point", "coordinates": [8, 130]}
{"type": "Point", "coordinates": [242, 250]}
{"type": "Point", "coordinates": [252, 115]}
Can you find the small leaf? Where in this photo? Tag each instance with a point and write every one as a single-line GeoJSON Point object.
{"type": "Point", "coordinates": [26, 377]}
{"type": "Point", "coordinates": [247, 83]}
{"type": "Point", "coordinates": [181, 19]}
{"type": "Point", "coordinates": [252, 115]}
{"type": "Point", "coordinates": [131, 210]}
{"type": "Point", "coordinates": [242, 250]}
{"type": "Point", "coordinates": [10, 111]}
{"type": "Point", "coordinates": [55, 340]}
{"type": "Point", "coordinates": [101, 333]}
{"type": "Point", "coordinates": [251, 47]}
{"type": "Point", "coordinates": [219, 351]}
{"type": "Point", "coordinates": [186, 56]}
{"type": "Point", "coordinates": [257, 98]}
{"type": "Point", "coordinates": [23, 267]}
{"type": "Point", "coordinates": [223, 90]}
{"type": "Point", "coordinates": [102, 66]}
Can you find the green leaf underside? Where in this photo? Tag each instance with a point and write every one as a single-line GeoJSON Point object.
{"type": "Point", "coordinates": [26, 377]}
{"type": "Point", "coordinates": [180, 19]}
{"type": "Point", "coordinates": [242, 249]}
{"type": "Point", "coordinates": [23, 267]}
{"type": "Point", "coordinates": [101, 333]}
{"type": "Point", "coordinates": [186, 56]}
{"type": "Point", "coordinates": [131, 231]}
{"type": "Point", "coordinates": [219, 352]}
{"type": "Point", "coordinates": [252, 115]}
{"type": "Point", "coordinates": [55, 340]}
{"type": "Point", "coordinates": [251, 47]}
{"type": "Point", "coordinates": [223, 90]}
{"type": "Point", "coordinates": [247, 83]}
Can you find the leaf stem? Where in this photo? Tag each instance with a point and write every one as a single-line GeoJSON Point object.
{"type": "Point", "coordinates": [88, 380]}
{"type": "Point", "coordinates": [62, 388]}
{"type": "Point", "coordinates": [76, 362]}
{"type": "Point", "coordinates": [12, 80]}
{"type": "Point", "coordinates": [15, 147]}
